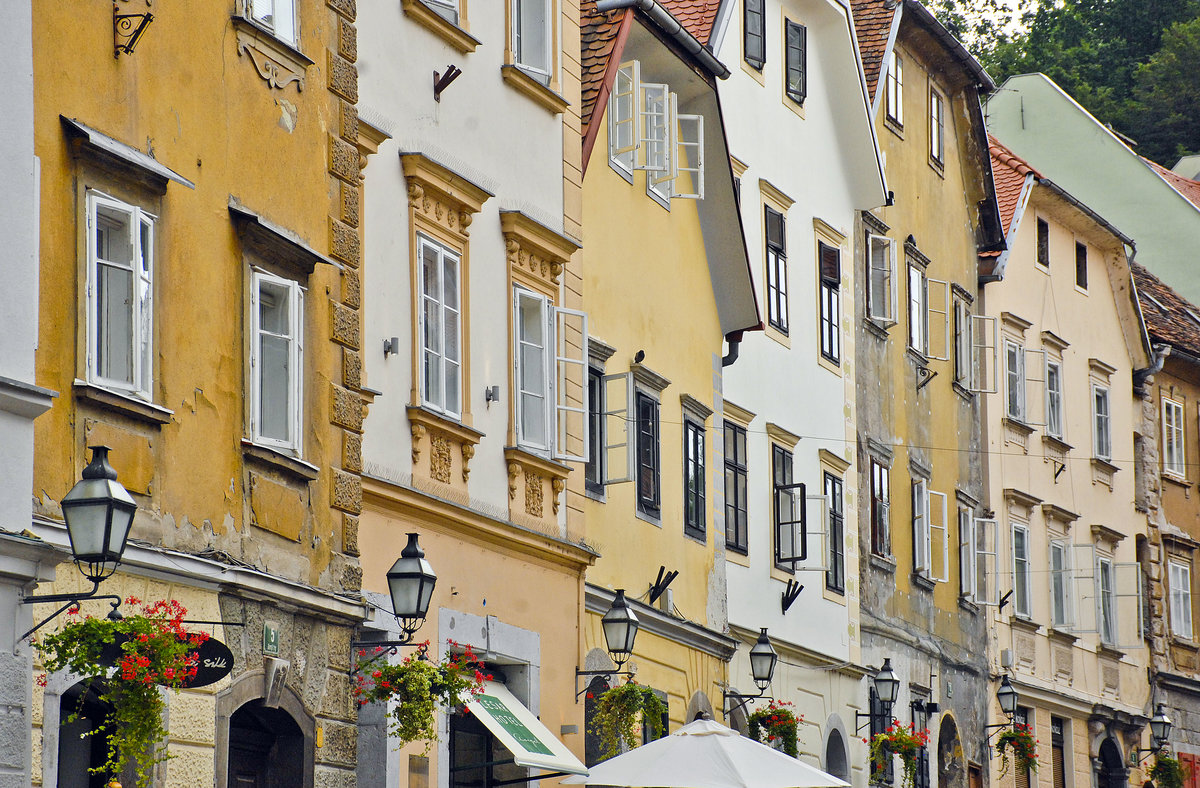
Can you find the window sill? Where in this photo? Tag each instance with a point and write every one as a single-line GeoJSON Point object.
{"type": "Point", "coordinates": [1025, 624]}
{"type": "Point", "coordinates": [883, 563]}
{"type": "Point", "coordinates": [1179, 641]}
{"type": "Point", "coordinates": [737, 555]}
{"type": "Point", "coordinates": [1051, 442]}
{"type": "Point", "coordinates": [298, 469]}
{"type": "Point", "coordinates": [794, 105]}
{"type": "Point", "coordinates": [655, 520]}
{"type": "Point", "coordinates": [938, 166]}
{"type": "Point", "coordinates": [1017, 426]}
{"type": "Point", "coordinates": [778, 335]}
{"type": "Point", "coordinates": [894, 126]}
{"type": "Point", "coordinates": [1112, 652]}
{"type": "Point", "coordinates": [276, 61]}
{"type": "Point", "coordinates": [595, 492]}
{"type": "Point", "coordinates": [696, 536]}
{"type": "Point", "coordinates": [549, 100]}
{"type": "Point", "coordinates": [430, 419]}
{"type": "Point", "coordinates": [431, 20]}
{"type": "Point", "coordinates": [755, 72]}
{"type": "Point", "coordinates": [968, 606]}
{"type": "Point", "coordinates": [1061, 636]}
{"type": "Point", "coordinates": [877, 329]}
{"type": "Point", "coordinates": [1101, 464]}
{"type": "Point", "coordinates": [923, 582]}
{"type": "Point", "coordinates": [625, 174]}
{"type": "Point", "coordinates": [962, 391]}
{"type": "Point", "coordinates": [830, 365]}
{"type": "Point", "coordinates": [1176, 480]}
{"type": "Point", "coordinates": [915, 356]}
{"type": "Point", "coordinates": [124, 404]}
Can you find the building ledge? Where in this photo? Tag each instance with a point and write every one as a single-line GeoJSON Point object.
{"type": "Point", "coordinates": [24, 399]}
{"type": "Point", "coordinates": [437, 24]}
{"type": "Point", "coordinates": [292, 466]}
{"type": "Point", "coordinates": [542, 95]}
{"type": "Point", "coordinates": [121, 403]}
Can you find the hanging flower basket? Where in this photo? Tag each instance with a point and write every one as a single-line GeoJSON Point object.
{"type": "Point", "coordinates": [903, 741]}
{"type": "Point", "coordinates": [1168, 772]}
{"type": "Point", "coordinates": [417, 688]}
{"type": "Point", "coordinates": [1019, 740]}
{"type": "Point", "coordinates": [775, 725]}
{"type": "Point", "coordinates": [620, 711]}
{"type": "Point", "coordinates": [128, 658]}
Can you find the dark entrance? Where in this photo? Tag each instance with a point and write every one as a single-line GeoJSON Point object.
{"type": "Point", "coordinates": [477, 758]}
{"type": "Point", "coordinates": [266, 748]}
{"type": "Point", "coordinates": [1111, 771]}
{"type": "Point", "coordinates": [80, 748]}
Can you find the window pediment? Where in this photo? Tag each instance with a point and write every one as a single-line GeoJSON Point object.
{"type": "Point", "coordinates": [275, 61]}
{"type": "Point", "coordinates": [534, 250]}
{"type": "Point", "coordinates": [275, 244]}
{"type": "Point", "coordinates": [114, 154]}
{"type": "Point", "coordinates": [440, 194]}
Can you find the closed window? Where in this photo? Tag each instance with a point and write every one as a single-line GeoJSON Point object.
{"type": "Point", "coordinates": [1179, 586]}
{"type": "Point", "coordinates": [1043, 243]}
{"type": "Point", "coordinates": [1107, 602]}
{"type": "Point", "coordinates": [1081, 266]}
{"type": "Point", "coordinates": [1022, 592]}
{"type": "Point", "coordinates": [648, 480]}
{"type": "Point", "coordinates": [1101, 424]}
{"type": "Point", "coordinates": [1014, 375]}
{"type": "Point", "coordinates": [440, 328]}
{"type": "Point", "coordinates": [831, 277]}
{"type": "Point", "coordinates": [1060, 585]}
{"type": "Point", "coordinates": [835, 575]}
{"type": "Point", "coordinates": [120, 295]}
{"type": "Point", "coordinates": [276, 361]}
{"type": "Point", "coordinates": [894, 91]}
{"type": "Point", "coordinates": [1054, 400]}
{"type": "Point", "coordinates": [531, 37]}
{"type": "Point", "coordinates": [777, 278]}
{"type": "Point", "coordinates": [735, 487]}
{"type": "Point", "coordinates": [1174, 461]}
{"type": "Point", "coordinates": [754, 43]}
{"type": "Point", "coordinates": [918, 327]}
{"type": "Point", "coordinates": [447, 9]}
{"type": "Point", "coordinates": [278, 16]}
{"type": "Point", "coordinates": [693, 479]}
{"type": "Point", "coordinates": [881, 278]}
{"type": "Point", "coordinates": [797, 61]}
{"type": "Point", "coordinates": [881, 538]}
{"type": "Point", "coordinates": [937, 127]}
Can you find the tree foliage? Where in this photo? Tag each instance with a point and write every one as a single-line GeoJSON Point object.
{"type": "Point", "coordinates": [1131, 63]}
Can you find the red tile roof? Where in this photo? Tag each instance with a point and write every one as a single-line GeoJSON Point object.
{"type": "Point", "coordinates": [1169, 316]}
{"type": "Point", "coordinates": [598, 33]}
{"type": "Point", "coordinates": [872, 24]}
{"type": "Point", "coordinates": [1187, 187]}
{"type": "Point", "coordinates": [696, 16]}
{"type": "Point", "coordinates": [1008, 173]}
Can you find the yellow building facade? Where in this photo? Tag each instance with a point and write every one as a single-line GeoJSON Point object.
{"type": "Point", "coordinates": [199, 315]}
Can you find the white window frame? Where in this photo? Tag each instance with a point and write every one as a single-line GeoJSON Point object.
{"type": "Point", "coordinates": [445, 311]}
{"type": "Point", "coordinates": [985, 344]}
{"type": "Point", "coordinates": [1106, 615]}
{"type": "Point", "coordinates": [894, 92]}
{"type": "Point", "coordinates": [1061, 580]}
{"type": "Point", "coordinates": [881, 270]}
{"type": "Point", "coordinates": [141, 314]}
{"type": "Point", "coordinates": [1014, 380]}
{"type": "Point", "coordinates": [937, 309]}
{"type": "Point", "coordinates": [986, 534]}
{"type": "Point", "coordinates": [964, 361]}
{"type": "Point", "coordinates": [647, 132]}
{"type": "Point", "coordinates": [918, 304]}
{"type": "Point", "coordinates": [295, 362]}
{"type": "Point", "coordinates": [617, 428]}
{"type": "Point", "coordinates": [968, 557]}
{"type": "Point", "coordinates": [562, 371]}
{"type": "Point", "coordinates": [624, 117]}
{"type": "Point", "coordinates": [520, 58]}
{"type": "Point", "coordinates": [1174, 449]}
{"type": "Point", "coordinates": [278, 16]}
{"type": "Point", "coordinates": [920, 527]}
{"type": "Point", "coordinates": [1179, 589]}
{"type": "Point", "coordinates": [1021, 571]}
{"type": "Point", "coordinates": [937, 126]}
{"type": "Point", "coordinates": [1101, 424]}
{"type": "Point", "coordinates": [938, 514]}
{"type": "Point", "coordinates": [1055, 421]}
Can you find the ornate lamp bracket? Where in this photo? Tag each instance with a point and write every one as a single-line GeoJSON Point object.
{"type": "Point", "coordinates": [128, 29]}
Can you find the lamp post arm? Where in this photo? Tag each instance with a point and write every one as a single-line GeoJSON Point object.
{"type": "Point", "coordinates": [70, 600]}
{"type": "Point", "coordinates": [742, 700]}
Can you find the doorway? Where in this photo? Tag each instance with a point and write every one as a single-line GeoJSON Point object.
{"type": "Point", "coordinates": [266, 748]}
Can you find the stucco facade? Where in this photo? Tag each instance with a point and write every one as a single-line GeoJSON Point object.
{"type": "Point", "coordinates": [919, 429]}
{"type": "Point", "coordinates": [1063, 433]}
{"type": "Point", "coordinates": [216, 206]}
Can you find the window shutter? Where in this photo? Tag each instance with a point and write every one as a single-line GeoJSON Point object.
{"type": "Point", "coordinates": [939, 536]}
{"type": "Point", "coordinates": [570, 377]}
{"type": "Point", "coordinates": [618, 428]}
{"type": "Point", "coordinates": [754, 40]}
{"type": "Point", "coordinates": [689, 155]}
{"type": "Point", "coordinates": [985, 337]}
{"type": "Point", "coordinates": [938, 305]}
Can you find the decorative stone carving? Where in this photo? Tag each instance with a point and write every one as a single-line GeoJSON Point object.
{"type": "Point", "coordinates": [468, 451]}
{"type": "Point", "coordinates": [558, 485]}
{"type": "Point", "coordinates": [440, 195]}
{"type": "Point", "coordinates": [276, 62]}
{"type": "Point", "coordinates": [514, 470]}
{"type": "Point", "coordinates": [533, 250]}
{"type": "Point", "coordinates": [439, 458]}
{"type": "Point", "coordinates": [533, 494]}
{"type": "Point", "coordinates": [418, 434]}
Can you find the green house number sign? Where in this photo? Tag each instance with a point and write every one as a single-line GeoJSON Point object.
{"type": "Point", "coordinates": [270, 644]}
{"type": "Point", "coordinates": [514, 726]}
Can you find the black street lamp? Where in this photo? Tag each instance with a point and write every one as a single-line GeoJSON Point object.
{"type": "Point", "coordinates": [99, 513]}
{"type": "Point", "coordinates": [1007, 696]}
{"type": "Point", "coordinates": [762, 669]}
{"type": "Point", "coordinates": [620, 625]}
{"type": "Point", "coordinates": [1160, 733]}
{"type": "Point", "coordinates": [410, 584]}
{"type": "Point", "coordinates": [887, 689]}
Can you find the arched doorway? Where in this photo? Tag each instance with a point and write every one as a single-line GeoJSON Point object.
{"type": "Point", "coordinates": [837, 762]}
{"type": "Point", "coordinates": [266, 748]}
{"type": "Point", "coordinates": [80, 748]}
{"type": "Point", "coordinates": [1111, 771]}
{"type": "Point", "coordinates": [950, 762]}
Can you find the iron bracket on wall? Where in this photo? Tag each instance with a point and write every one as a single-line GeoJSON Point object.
{"type": "Point", "coordinates": [128, 29]}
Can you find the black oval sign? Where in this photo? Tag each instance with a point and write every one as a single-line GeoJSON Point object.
{"type": "Point", "coordinates": [215, 663]}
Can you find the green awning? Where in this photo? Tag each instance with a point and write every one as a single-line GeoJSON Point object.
{"type": "Point", "coordinates": [531, 744]}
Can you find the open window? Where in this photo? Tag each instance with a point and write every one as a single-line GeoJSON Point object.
{"type": "Point", "coordinates": [881, 279]}
{"type": "Point", "coordinates": [964, 363]}
{"type": "Point", "coordinates": [1035, 388]}
{"type": "Point", "coordinates": [968, 565]}
{"type": "Point", "coordinates": [623, 116]}
{"type": "Point", "coordinates": [985, 342]}
{"type": "Point", "coordinates": [938, 306]}
{"type": "Point", "coordinates": [1062, 608]}
{"type": "Point", "coordinates": [276, 361]}
{"type": "Point", "coordinates": [791, 506]}
{"type": "Point", "coordinates": [617, 420]}
{"type": "Point", "coordinates": [931, 538]}
{"type": "Point", "coordinates": [987, 590]}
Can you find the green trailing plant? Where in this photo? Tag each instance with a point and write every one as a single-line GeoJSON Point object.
{"type": "Point", "coordinates": [1168, 772]}
{"type": "Point", "coordinates": [903, 741]}
{"type": "Point", "coordinates": [417, 687]}
{"type": "Point", "coordinates": [620, 712]}
{"type": "Point", "coordinates": [1019, 740]}
{"type": "Point", "coordinates": [775, 724]}
{"type": "Point", "coordinates": [127, 659]}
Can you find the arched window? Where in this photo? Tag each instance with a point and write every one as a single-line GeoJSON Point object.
{"type": "Point", "coordinates": [266, 748]}
{"type": "Point", "coordinates": [837, 762]}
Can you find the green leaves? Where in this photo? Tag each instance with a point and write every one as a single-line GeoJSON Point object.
{"type": "Point", "coordinates": [620, 712]}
